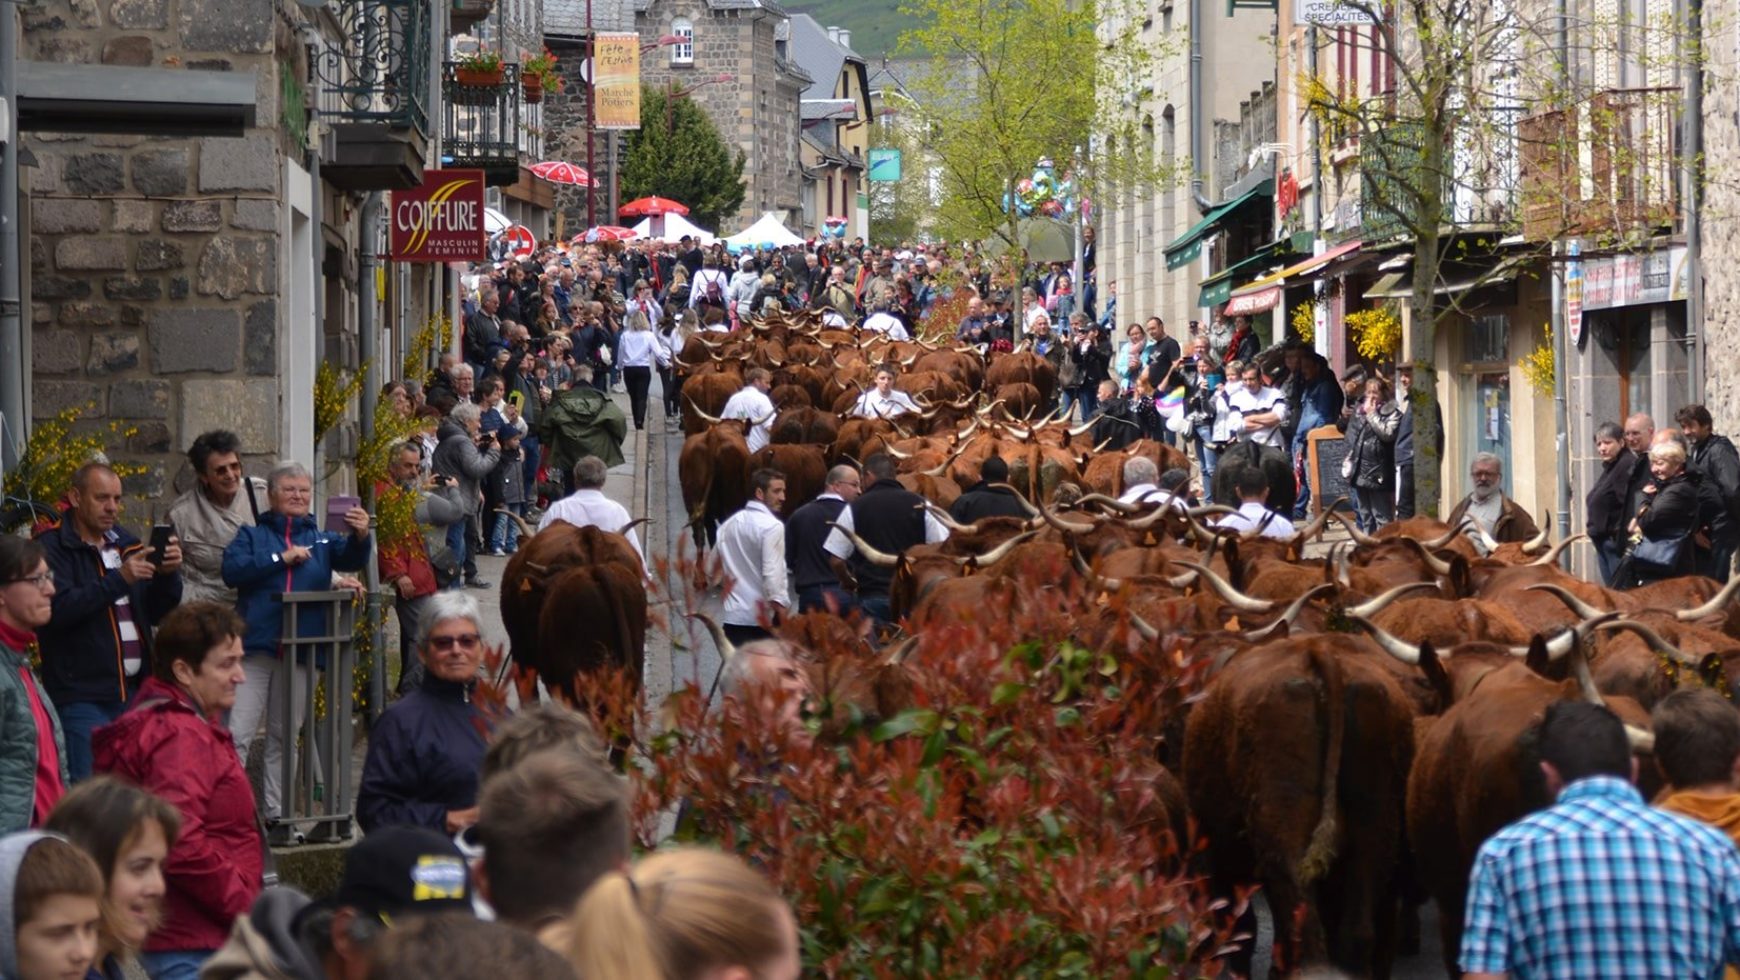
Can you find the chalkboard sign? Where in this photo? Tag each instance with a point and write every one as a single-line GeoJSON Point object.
{"type": "Point", "coordinates": [1325, 451]}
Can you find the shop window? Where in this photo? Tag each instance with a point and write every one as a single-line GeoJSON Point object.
{"type": "Point", "coordinates": [1485, 385]}
{"type": "Point", "coordinates": [1623, 375]}
{"type": "Point", "coordinates": [683, 52]}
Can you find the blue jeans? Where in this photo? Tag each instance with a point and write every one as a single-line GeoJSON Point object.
{"type": "Point", "coordinates": [456, 542]}
{"type": "Point", "coordinates": [877, 608]}
{"type": "Point", "coordinates": [1207, 456]}
{"type": "Point", "coordinates": [1373, 507]}
{"type": "Point", "coordinates": [1066, 400]}
{"type": "Point", "coordinates": [505, 535]}
{"type": "Point", "coordinates": [1607, 555]}
{"type": "Point", "coordinates": [175, 964]}
{"type": "Point", "coordinates": [1301, 504]}
{"type": "Point", "coordinates": [78, 719]}
{"type": "Point", "coordinates": [815, 599]}
{"type": "Point", "coordinates": [529, 470]}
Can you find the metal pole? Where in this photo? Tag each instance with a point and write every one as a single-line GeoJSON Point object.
{"type": "Point", "coordinates": [1693, 197]}
{"type": "Point", "coordinates": [591, 117]}
{"type": "Point", "coordinates": [1316, 142]}
{"type": "Point", "coordinates": [12, 367]}
{"type": "Point", "coordinates": [368, 349]}
{"type": "Point", "coordinates": [1561, 384]}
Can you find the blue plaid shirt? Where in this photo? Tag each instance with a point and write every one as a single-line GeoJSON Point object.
{"type": "Point", "coordinates": [1600, 885]}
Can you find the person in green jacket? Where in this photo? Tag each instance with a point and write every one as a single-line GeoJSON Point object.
{"type": "Point", "coordinates": [33, 774]}
{"type": "Point", "coordinates": [581, 421]}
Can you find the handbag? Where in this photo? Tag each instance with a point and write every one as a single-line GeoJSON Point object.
{"type": "Point", "coordinates": [1658, 557]}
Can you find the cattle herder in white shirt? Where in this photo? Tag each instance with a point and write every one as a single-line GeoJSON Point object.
{"type": "Point", "coordinates": [752, 555]}
{"type": "Point", "coordinates": [588, 505]}
{"type": "Point", "coordinates": [752, 404]}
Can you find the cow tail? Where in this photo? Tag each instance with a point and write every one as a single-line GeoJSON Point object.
{"type": "Point", "coordinates": [1321, 851]}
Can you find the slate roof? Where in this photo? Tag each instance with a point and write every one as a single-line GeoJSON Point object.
{"type": "Point", "coordinates": [640, 6]}
{"type": "Point", "coordinates": [567, 18]}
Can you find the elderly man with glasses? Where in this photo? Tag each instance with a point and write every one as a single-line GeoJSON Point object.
{"type": "Point", "coordinates": [425, 752]}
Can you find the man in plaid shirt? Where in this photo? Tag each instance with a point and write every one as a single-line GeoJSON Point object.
{"type": "Point", "coordinates": [1599, 884]}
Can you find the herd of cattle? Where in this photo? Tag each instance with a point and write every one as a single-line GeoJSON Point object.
{"type": "Point", "coordinates": [1366, 725]}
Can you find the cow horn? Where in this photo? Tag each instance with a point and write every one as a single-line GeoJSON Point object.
{"type": "Point", "coordinates": [900, 652]}
{"type": "Point", "coordinates": [1434, 564]}
{"type": "Point", "coordinates": [943, 467]}
{"type": "Point", "coordinates": [1717, 603]}
{"type": "Point", "coordinates": [1585, 680]}
{"type": "Point", "coordinates": [897, 454]}
{"type": "Point", "coordinates": [1094, 579]}
{"type": "Point", "coordinates": [711, 420]}
{"type": "Point", "coordinates": [526, 530]}
{"type": "Point", "coordinates": [1153, 517]}
{"type": "Point", "coordinates": [1202, 534]}
{"type": "Point", "coordinates": [757, 423]}
{"type": "Point", "coordinates": [1536, 543]}
{"type": "Point", "coordinates": [1447, 536]}
{"type": "Point", "coordinates": [1110, 503]}
{"type": "Point", "coordinates": [944, 517]}
{"type": "Point", "coordinates": [1552, 556]}
{"type": "Point", "coordinates": [1032, 511]}
{"type": "Point", "coordinates": [1371, 607]}
{"type": "Point", "coordinates": [998, 553]}
{"type": "Point", "coordinates": [1315, 527]}
{"type": "Point", "coordinates": [623, 530]}
{"type": "Point", "coordinates": [1487, 541]}
{"type": "Point", "coordinates": [1571, 601]}
{"type": "Point", "coordinates": [1142, 627]}
{"type": "Point", "coordinates": [1209, 509]}
{"type": "Point", "coordinates": [1064, 526]}
{"type": "Point", "coordinates": [1562, 643]}
{"type": "Point", "coordinates": [1078, 430]}
{"type": "Point", "coordinates": [870, 554]}
{"type": "Point", "coordinates": [1656, 642]}
{"type": "Point", "coordinates": [1292, 611]}
{"type": "Point", "coordinates": [1338, 559]}
{"type": "Point", "coordinates": [1231, 596]}
{"type": "Point", "coordinates": [896, 427]}
{"type": "Point", "coordinates": [1353, 531]}
{"type": "Point", "coordinates": [1642, 740]}
{"type": "Point", "coordinates": [727, 652]}
{"type": "Point", "coordinates": [1405, 652]}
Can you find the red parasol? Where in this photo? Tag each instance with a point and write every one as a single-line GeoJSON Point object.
{"type": "Point", "coordinates": [645, 206]}
{"type": "Point", "coordinates": [562, 172]}
{"type": "Point", "coordinates": [605, 233]}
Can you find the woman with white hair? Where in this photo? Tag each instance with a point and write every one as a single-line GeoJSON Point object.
{"type": "Point", "coordinates": [425, 752]}
{"type": "Point", "coordinates": [285, 552]}
{"type": "Point", "coordinates": [1661, 534]}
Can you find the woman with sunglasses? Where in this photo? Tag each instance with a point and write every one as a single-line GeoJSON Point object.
{"type": "Point", "coordinates": [32, 750]}
{"type": "Point", "coordinates": [425, 751]}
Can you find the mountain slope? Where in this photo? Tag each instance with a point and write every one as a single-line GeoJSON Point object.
{"type": "Point", "coordinates": [875, 24]}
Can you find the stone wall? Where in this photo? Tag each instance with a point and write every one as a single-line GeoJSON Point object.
{"type": "Point", "coordinates": [1721, 230]}
{"type": "Point", "coordinates": [154, 263]}
{"type": "Point", "coordinates": [565, 139]}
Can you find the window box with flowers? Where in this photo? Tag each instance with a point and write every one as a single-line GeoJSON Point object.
{"type": "Point", "coordinates": [477, 78]}
{"type": "Point", "coordinates": [538, 75]}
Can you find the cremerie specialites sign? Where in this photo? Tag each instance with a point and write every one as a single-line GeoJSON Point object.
{"type": "Point", "coordinates": [441, 219]}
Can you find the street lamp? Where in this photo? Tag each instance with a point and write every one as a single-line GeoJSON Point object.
{"type": "Point", "coordinates": [684, 92]}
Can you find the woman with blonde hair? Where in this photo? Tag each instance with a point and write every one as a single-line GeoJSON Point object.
{"type": "Point", "coordinates": [684, 914]}
{"type": "Point", "coordinates": [128, 832]}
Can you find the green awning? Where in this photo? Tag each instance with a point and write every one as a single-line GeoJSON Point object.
{"type": "Point", "coordinates": [1216, 288]}
{"type": "Point", "coordinates": [1189, 245]}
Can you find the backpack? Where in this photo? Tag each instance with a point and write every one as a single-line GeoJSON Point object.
{"type": "Point", "coordinates": [713, 294]}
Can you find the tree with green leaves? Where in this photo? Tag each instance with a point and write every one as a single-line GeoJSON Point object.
{"type": "Point", "coordinates": [677, 153]}
{"type": "Point", "coordinates": [1005, 84]}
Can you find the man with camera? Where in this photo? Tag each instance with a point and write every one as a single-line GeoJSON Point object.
{"type": "Point", "coordinates": [110, 589]}
{"type": "Point", "coordinates": [467, 454]}
{"type": "Point", "coordinates": [419, 563]}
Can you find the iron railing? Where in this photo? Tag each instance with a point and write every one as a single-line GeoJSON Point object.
{"type": "Point", "coordinates": [378, 71]}
{"type": "Point", "coordinates": [1606, 165]}
{"type": "Point", "coordinates": [316, 795]}
{"type": "Point", "coordinates": [481, 125]}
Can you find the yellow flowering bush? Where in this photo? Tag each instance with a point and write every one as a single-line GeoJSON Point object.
{"type": "Point", "coordinates": [1377, 333]}
{"type": "Point", "coordinates": [55, 450]}
{"type": "Point", "coordinates": [1538, 366]}
{"type": "Point", "coordinates": [333, 393]}
{"type": "Point", "coordinates": [1305, 322]}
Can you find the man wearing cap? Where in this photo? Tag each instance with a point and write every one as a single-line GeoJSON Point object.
{"type": "Point", "coordinates": [389, 876]}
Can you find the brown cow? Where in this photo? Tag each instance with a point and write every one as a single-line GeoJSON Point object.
{"type": "Point", "coordinates": [713, 468]}
{"type": "Point", "coordinates": [1295, 762]}
{"type": "Point", "coordinates": [706, 395]}
{"type": "Point", "coordinates": [805, 469]}
{"type": "Point", "coordinates": [573, 600]}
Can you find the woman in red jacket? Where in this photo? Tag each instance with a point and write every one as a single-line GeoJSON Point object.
{"type": "Point", "coordinates": [172, 742]}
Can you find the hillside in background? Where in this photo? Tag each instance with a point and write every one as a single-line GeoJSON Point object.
{"type": "Point", "coordinates": [875, 24]}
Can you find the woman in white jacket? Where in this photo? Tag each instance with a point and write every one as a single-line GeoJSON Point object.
{"type": "Point", "coordinates": [637, 351]}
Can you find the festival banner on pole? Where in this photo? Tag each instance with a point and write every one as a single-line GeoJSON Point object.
{"type": "Point", "coordinates": [616, 80]}
{"type": "Point", "coordinates": [439, 220]}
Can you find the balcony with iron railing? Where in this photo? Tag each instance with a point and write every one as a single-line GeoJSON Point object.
{"type": "Point", "coordinates": [482, 126]}
{"type": "Point", "coordinates": [369, 87]}
{"type": "Point", "coordinates": [1605, 167]}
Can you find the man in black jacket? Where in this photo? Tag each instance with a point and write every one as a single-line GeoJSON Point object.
{"type": "Point", "coordinates": [889, 519]}
{"type": "Point", "coordinates": [812, 575]}
{"type": "Point", "coordinates": [984, 500]}
{"type": "Point", "coordinates": [483, 331]}
{"type": "Point", "coordinates": [109, 592]}
{"type": "Point", "coordinates": [1714, 456]}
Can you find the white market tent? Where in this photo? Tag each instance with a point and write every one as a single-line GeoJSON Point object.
{"type": "Point", "coordinates": [675, 227]}
{"type": "Point", "coordinates": [767, 231]}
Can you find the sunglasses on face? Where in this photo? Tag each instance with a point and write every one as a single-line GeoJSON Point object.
{"type": "Point", "coordinates": [464, 641]}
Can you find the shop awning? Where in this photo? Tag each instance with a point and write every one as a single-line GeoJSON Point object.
{"type": "Point", "coordinates": [1297, 271]}
{"type": "Point", "coordinates": [1189, 245]}
{"type": "Point", "coordinates": [1258, 301]}
{"type": "Point", "coordinates": [1400, 285]}
{"type": "Point", "coordinates": [1216, 288]}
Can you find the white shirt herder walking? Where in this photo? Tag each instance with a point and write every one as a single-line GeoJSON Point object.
{"type": "Point", "coordinates": [1254, 516]}
{"type": "Point", "coordinates": [752, 552]}
{"type": "Point", "coordinates": [753, 404]}
{"type": "Point", "coordinates": [591, 508]}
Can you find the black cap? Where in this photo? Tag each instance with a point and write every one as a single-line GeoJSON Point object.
{"type": "Point", "coordinates": [404, 871]}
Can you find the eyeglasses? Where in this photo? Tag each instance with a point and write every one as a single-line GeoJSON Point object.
{"type": "Point", "coordinates": [465, 641]}
{"type": "Point", "coordinates": [42, 581]}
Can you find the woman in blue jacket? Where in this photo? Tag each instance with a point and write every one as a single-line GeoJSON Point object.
{"type": "Point", "coordinates": [285, 552]}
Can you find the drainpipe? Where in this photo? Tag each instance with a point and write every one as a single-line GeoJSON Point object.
{"type": "Point", "coordinates": [1562, 349]}
{"type": "Point", "coordinates": [368, 238]}
{"type": "Point", "coordinates": [1198, 142]}
{"type": "Point", "coordinates": [1693, 196]}
{"type": "Point", "coordinates": [12, 366]}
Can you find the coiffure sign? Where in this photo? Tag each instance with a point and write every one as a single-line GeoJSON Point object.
{"type": "Point", "coordinates": [441, 219]}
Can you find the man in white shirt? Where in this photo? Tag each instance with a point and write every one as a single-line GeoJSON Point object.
{"type": "Point", "coordinates": [752, 555]}
{"type": "Point", "coordinates": [1033, 312]}
{"type": "Point", "coordinates": [1142, 485]}
{"type": "Point", "coordinates": [588, 505]}
{"type": "Point", "coordinates": [884, 322]}
{"type": "Point", "coordinates": [752, 403]}
{"type": "Point", "coordinates": [1261, 408]}
{"type": "Point", "coordinates": [1254, 513]}
{"type": "Point", "coordinates": [882, 401]}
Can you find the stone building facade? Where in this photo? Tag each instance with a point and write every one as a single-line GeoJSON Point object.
{"type": "Point", "coordinates": [757, 109]}
{"type": "Point", "coordinates": [1720, 227]}
{"type": "Point", "coordinates": [564, 113]}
